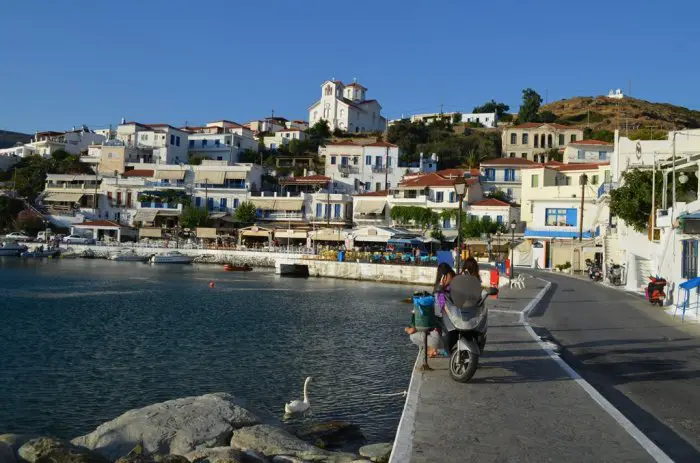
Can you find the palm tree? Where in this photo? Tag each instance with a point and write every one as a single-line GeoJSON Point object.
{"type": "Point", "coordinates": [474, 159]}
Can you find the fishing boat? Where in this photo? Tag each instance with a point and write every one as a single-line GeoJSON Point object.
{"type": "Point", "coordinates": [172, 257]}
{"type": "Point", "coordinates": [237, 268]}
{"type": "Point", "coordinates": [40, 253]}
{"type": "Point", "coordinates": [12, 249]}
{"type": "Point", "coordinates": [69, 253]}
{"type": "Point", "coordinates": [127, 256]}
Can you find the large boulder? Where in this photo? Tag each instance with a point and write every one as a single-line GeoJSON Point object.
{"type": "Point", "coordinates": [332, 435]}
{"type": "Point", "coordinates": [173, 427]}
{"type": "Point", "coordinates": [48, 449]}
{"type": "Point", "coordinates": [378, 453]}
{"type": "Point", "coordinates": [15, 441]}
{"type": "Point", "coordinates": [272, 441]}
{"type": "Point", "coordinates": [216, 455]}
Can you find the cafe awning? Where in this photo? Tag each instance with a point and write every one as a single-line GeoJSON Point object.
{"type": "Point", "coordinates": [294, 234]}
{"type": "Point", "coordinates": [328, 234]}
{"type": "Point", "coordinates": [235, 175]}
{"type": "Point", "coordinates": [205, 232]}
{"type": "Point", "coordinates": [369, 207]}
{"type": "Point", "coordinates": [255, 231]}
{"type": "Point", "coordinates": [169, 213]}
{"type": "Point", "coordinates": [278, 204]}
{"type": "Point", "coordinates": [145, 215]}
{"type": "Point", "coordinates": [62, 197]}
{"type": "Point", "coordinates": [210, 177]}
{"type": "Point", "coordinates": [150, 232]}
{"type": "Point", "coordinates": [170, 174]}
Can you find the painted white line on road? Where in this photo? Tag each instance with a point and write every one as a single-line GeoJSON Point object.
{"type": "Point", "coordinates": [403, 442]}
{"type": "Point", "coordinates": [651, 448]}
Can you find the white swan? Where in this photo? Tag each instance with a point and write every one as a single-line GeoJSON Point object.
{"type": "Point", "coordinates": [299, 406]}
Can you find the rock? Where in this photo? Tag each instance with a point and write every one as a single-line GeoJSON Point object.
{"type": "Point", "coordinates": [378, 453]}
{"type": "Point", "coordinates": [170, 459]}
{"type": "Point", "coordinates": [15, 440]}
{"type": "Point", "coordinates": [48, 449]}
{"type": "Point", "coordinates": [173, 427]}
{"type": "Point", "coordinates": [7, 455]}
{"type": "Point", "coordinates": [286, 459]}
{"type": "Point", "coordinates": [216, 454]}
{"type": "Point", "coordinates": [272, 441]}
{"type": "Point", "coordinates": [136, 458]}
{"type": "Point", "coordinates": [331, 435]}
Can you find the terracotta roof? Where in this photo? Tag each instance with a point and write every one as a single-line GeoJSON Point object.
{"type": "Point", "coordinates": [99, 223]}
{"type": "Point", "coordinates": [138, 173]}
{"type": "Point", "coordinates": [555, 165]}
{"type": "Point", "coordinates": [458, 172]}
{"type": "Point", "coordinates": [508, 162]}
{"type": "Point", "coordinates": [343, 142]}
{"type": "Point", "coordinates": [309, 179]}
{"type": "Point", "coordinates": [300, 121]}
{"type": "Point", "coordinates": [433, 179]}
{"type": "Point", "coordinates": [355, 84]}
{"type": "Point", "coordinates": [293, 129]}
{"type": "Point", "coordinates": [490, 202]}
{"type": "Point", "coordinates": [381, 143]}
{"type": "Point", "coordinates": [591, 142]}
{"type": "Point", "coordinates": [374, 193]}
{"type": "Point", "coordinates": [535, 125]}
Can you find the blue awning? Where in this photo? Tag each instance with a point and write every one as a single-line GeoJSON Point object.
{"type": "Point", "coordinates": [530, 233]}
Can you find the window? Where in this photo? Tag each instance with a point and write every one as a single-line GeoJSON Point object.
{"type": "Point", "coordinates": [602, 155]}
{"type": "Point", "coordinates": [446, 222]}
{"type": "Point", "coordinates": [191, 144]}
{"type": "Point", "coordinates": [452, 196]}
{"type": "Point", "coordinates": [573, 137]}
{"type": "Point", "coordinates": [273, 146]}
{"type": "Point", "coordinates": [319, 210]}
{"type": "Point", "coordinates": [210, 204]}
{"type": "Point", "coordinates": [177, 141]}
{"type": "Point", "coordinates": [327, 210]}
{"type": "Point", "coordinates": [336, 211]}
{"type": "Point", "coordinates": [388, 162]}
{"type": "Point", "coordinates": [581, 154]}
{"type": "Point", "coordinates": [128, 200]}
{"type": "Point", "coordinates": [537, 141]}
{"type": "Point", "coordinates": [368, 160]}
{"type": "Point", "coordinates": [204, 142]}
{"type": "Point", "coordinates": [222, 203]}
{"type": "Point", "coordinates": [172, 139]}
{"type": "Point", "coordinates": [343, 160]}
{"type": "Point", "coordinates": [378, 161]}
{"type": "Point", "coordinates": [332, 160]}
{"type": "Point", "coordinates": [119, 197]}
{"type": "Point", "coordinates": [510, 175]}
{"type": "Point", "coordinates": [499, 219]}
{"type": "Point", "coordinates": [594, 179]}
{"type": "Point", "coordinates": [561, 139]}
{"type": "Point", "coordinates": [608, 178]}
{"type": "Point", "coordinates": [439, 196]}
{"type": "Point", "coordinates": [355, 160]}
{"type": "Point", "coordinates": [689, 262]}
{"type": "Point", "coordinates": [109, 197]}
{"type": "Point", "coordinates": [525, 139]}
{"type": "Point", "coordinates": [219, 158]}
{"type": "Point", "coordinates": [217, 143]}
{"type": "Point", "coordinates": [144, 136]}
{"type": "Point", "coordinates": [235, 203]}
{"type": "Point", "coordinates": [378, 186]}
{"type": "Point", "coordinates": [512, 155]}
{"type": "Point", "coordinates": [549, 141]}
{"type": "Point", "coordinates": [509, 192]}
{"type": "Point", "coordinates": [561, 217]}
{"type": "Point", "coordinates": [524, 155]}
{"type": "Point", "coordinates": [535, 181]}
{"type": "Point", "coordinates": [513, 138]}
{"type": "Point", "coordinates": [198, 201]}
{"type": "Point", "coordinates": [490, 174]}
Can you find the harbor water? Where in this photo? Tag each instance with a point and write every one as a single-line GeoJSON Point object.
{"type": "Point", "coordinates": [82, 341]}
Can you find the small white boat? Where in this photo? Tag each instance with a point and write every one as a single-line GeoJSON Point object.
{"type": "Point", "coordinates": [172, 257]}
{"type": "Point", "coordinates": [127, 256]}
{"type": "Point", "coordinates": [40, 253]}
{"type": "Point", "coordinates": [12, 249]}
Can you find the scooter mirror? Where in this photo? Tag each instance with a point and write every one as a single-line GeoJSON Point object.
{"type": "Point", "coordinates": [492, 291]}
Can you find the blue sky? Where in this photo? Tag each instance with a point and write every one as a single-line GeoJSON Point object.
{"type": "Point", "coordinates": [66, 63]}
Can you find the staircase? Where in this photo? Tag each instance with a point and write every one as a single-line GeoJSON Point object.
{"type": "Point", "coordinates": [611, 249]}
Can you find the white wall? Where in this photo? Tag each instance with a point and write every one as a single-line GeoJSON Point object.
{"type": "Point", "coordinates": [507, 213]}
{"type": "Point", "coordinates": [587, 153]}
{"type": "Point", "coordinates": [486, 119]}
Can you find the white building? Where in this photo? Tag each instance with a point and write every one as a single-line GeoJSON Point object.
{"type": "Point", "coordinates": [298, 124]}
{"type": "Point", "coordinates": [74, 142]}
{"type": "Point", "coordinates": [504, 174]}
{"type": "Point", "coordinates": [346, 108]}
{"type": "Point", "coordinates": [489, 120]}
{"type": "Point", "coordinates": [158, 143]}
{"type": "Point", "coordinates": [220, 141]}
{"type": "Point", "coordinates": [283, 137]}
{"type": "Point", "coordinates": [363, 166]}
{"type": "Point", "coordinates": [588, 151]}
{"type": "Point", "coordinates": [267, 125]}
{"type": "Point", "coordinates": [371, 209]}
{"type": "Point", "coordinates": [496, 210]}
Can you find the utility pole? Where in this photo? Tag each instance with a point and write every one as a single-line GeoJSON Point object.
{"type": "Point", "coordinates": [386, 170]}
{"type": "Point", "coordinates": [673, 183]}
{"type": "Point", "coordinates": [584, 180]}
{"type": "Point", "coordinates": [328, 204]}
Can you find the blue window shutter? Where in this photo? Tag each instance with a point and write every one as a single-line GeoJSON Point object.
{"type": "Point", "coordinates": [191, 143]}
{"type": "Point", "coordinates": [327, 210]}
{"type": "Point", "coordinates": [337, 210]}
{"type": "Point", "coordinates": [319, 210]}
{"type": "Point", "coordinates": [368, 160]}
{"type": "Point", "coordinates": [177, 141]}
{"type": "Point", "coordinates": [572, 217]}
{"type": "Point", "coordinates": [332, 160]}
{"type": "Point", "coordinates": [198, 201]}
{"type": "Point", "coordinates": [684, 259]}
{"type": "Point", "coordinates": [210, 204]}
{"type": "Point", "coordinates": [172, 139]}
{"type": "Point", "coordinates": [499, 219]}
{"type": "Point", "coordinates": [235, 203]}
{"type": "Point", "coordinates": [222, 203]}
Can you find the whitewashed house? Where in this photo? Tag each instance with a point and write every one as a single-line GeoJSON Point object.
{"type": "Point", "coordinates": [283, 137]}
{"type": "Point", "coordinates": [346, 108]}
{"type": "Point", "coordinates": [157, 143]}
{"type": "Point", "coordinates": [587, 151]}
{"type": "Point", "coordinates": [504, 174]}
{"type": "Point", "coordinates": [220, 141]}
{"type": "Point", "coordinates": [496, 210]}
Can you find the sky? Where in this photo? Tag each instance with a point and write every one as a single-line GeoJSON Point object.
{"type": "Point", "coordinates": [67, 63]}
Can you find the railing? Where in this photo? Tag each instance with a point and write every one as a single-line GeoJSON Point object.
{"type": "Point", "coordinates": [161, 183]}
{"type": "Point", "coordinates": [348, 169]}
{"type": "Point", "coordinates": [606, 188]}
{"type": "Point", "coordinates": [282, 215]}
{"type": "Point", "coordinates": [225, 186]}
{"type": "Point", "coordinates": [155, 205]}
{"type": "Point", "coordinates": [381, 169]}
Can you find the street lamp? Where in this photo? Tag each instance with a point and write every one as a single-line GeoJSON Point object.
{"type": "Point", "coordinates": [683, 178]}
{"type": "Point", "coordinates": [498, 246]}
{"type": "Point", "coordinates": [460, 187]}
{"type": "Point", "coordinates": [583, 180]}
{"type": "Point", "coordinates": [513, 224]}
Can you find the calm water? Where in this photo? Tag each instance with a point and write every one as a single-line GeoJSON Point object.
{"type": "Point", "coordinates": [82, 341]}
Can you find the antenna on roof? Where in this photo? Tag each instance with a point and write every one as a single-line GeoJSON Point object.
{"type": "Point", "coordinates": [123, 120]}
{"type": "Point", "coordinates": [354, 79]}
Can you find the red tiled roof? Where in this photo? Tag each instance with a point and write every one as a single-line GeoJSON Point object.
{"type": "Point", "coordinates": [591, 142]}
{"type": "Point", "coordinates": [508, 162]}
{"type": "Point", "coordinates": [374, 193]}
{"type": "Point", "coordinates": [381, 143]}
{"type": "Point", "coordinates": [293, 129]}
{"type": "Point", "coordinates": [555, 165]}
{"type": "Point", "coordinates": [299, 121]}
{"type": "Point", "coordinates": [138, 173]}
{"type": "Point", "coordinates": [490, 202]}
{"type": "Point", "coordinates": [342, 142]}
{"type": "Point", "coordinates": [535, 125]}
{"type": "Point", "coordinates": [458, 172]}
{"type": "Point", "coordinates": [433, 179]}
{"type": "Point", "coordinates": [355, 84]}
{"type": "Point", "coordinates": [99, 223]}
{"type": "Point", "coordinates": [309, 179]}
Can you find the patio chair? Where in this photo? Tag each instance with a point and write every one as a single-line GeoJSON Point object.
{"type": "Point", "coordinates": [518, 282]}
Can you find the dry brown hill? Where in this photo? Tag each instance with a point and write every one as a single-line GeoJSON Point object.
{"type": "Point", "coordinates": [607, 113]}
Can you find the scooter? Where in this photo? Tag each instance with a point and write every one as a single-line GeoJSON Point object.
{"type": "Point", "coordinates": [593, 271]}
{"type": "Point", "coordinates": [655, 290]}
{"type": "Point", "coordinates": [466, 336]}
{"type": "Point", "coordinates": [615, 274]}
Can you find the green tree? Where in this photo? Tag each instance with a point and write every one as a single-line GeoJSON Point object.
{"type": "Point", "coordinates": [530, 106]}
{"type": "Point", "coordinates": [474, 159]}
{"type": "Point", "coordinates": [602, 135]}
{"type": "Point", "coordinates": [632, 202]}
{"type": "Point", "coordinates": [193, 217]}
{"type": "Point", "coordinates": [492, 107]}
{"type": "Point", "coordinates": [546, 116]}
{"type": "Point", "coordinates": [499, 195]}
{"type": "Point", "coordinates": [195, 160]}
{"type": "Point", "coordinates": [553, 154]}
{"type": "Point", "coordinates": [246, 213]}
{"type": "Point", "coordinates": [413, 215]}
{"type": "Point", "coordinates": [9, 209]}
{"type": "Point", "coordinates": [457, 118]}
{"type": "Point", "coordinates": [319, 132]}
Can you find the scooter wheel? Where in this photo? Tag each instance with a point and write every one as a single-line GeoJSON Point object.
{"type": "Point", "coordinates": [463, 365]}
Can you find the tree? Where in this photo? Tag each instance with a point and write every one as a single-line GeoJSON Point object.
{"type": "Point", "coordinates": [9, 209]}
{"type": "Point", "coordinates": [499, 195]}
{"type": "Point", "coordinates": [602, 135]}
{"type": "Point", "coordinates": [553, 154]}
{"type": "Point", "coordinates": [320, 131]}
{"type": "Point", "coordinates": [456, 118]}
{"type": "Point", "coordinates": [193, 217]}
{"type": "Point", "coordinates": [474, 159]}
{"type": "Point", "coordinates": [246, 213]}
{"type": "Point", "coordinates": [195, 160]}
{"type": "Point", "coordinates": [546, 116]}
{"type": "Point", "coordinates": [632, 201]}
{"type": "Point", "coordinates": [530, 106]}
{"type": "Point", "coordinates": [492, 107]}
{"type": "Point", "coordinates": [413, 215]}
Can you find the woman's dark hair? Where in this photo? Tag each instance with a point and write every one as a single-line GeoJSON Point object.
{"type": "Point", "coordinates": [471, 267]}
{"type": "Point", "coordinates": [442, 270]}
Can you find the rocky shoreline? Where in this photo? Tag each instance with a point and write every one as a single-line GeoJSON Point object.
{"type": "Point", "coordinates": [212, 428]}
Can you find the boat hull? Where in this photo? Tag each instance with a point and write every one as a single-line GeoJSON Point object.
{"type": "Point", "coordinates": [131, 258]}
{"type": "Point", "coordinates": [171, 260]}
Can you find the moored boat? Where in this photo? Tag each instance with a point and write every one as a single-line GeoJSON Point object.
{"type": "Point", "coordinates": [12, 249]}
{"type": "Point", "coordinates": [172, 257]}
{"type": "Point", "coordinates": [237, 268]}
{"type": "Point", "coordinates": [69, 253]}
{"type": "Point", "coordinates": [40, 253]}
{"type": "Point", "coordinates": [127, 256]}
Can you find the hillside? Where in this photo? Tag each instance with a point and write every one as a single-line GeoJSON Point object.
{"type": "Point", "coordinates": [9, 139]}
{"type": "Point", "coordinates": [609, 114]}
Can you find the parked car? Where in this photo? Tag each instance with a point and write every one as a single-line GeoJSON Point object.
{"type": "Point", "coordinates": [77, 239]}
{"type": "Point", "coordinates": [19, 236]}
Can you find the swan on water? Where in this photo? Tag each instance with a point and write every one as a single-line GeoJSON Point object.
{"type": "Point", "coordinates": [299, 406]}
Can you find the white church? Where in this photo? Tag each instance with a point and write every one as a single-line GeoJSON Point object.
{"type": "Point", "coordinates": [345, 108]}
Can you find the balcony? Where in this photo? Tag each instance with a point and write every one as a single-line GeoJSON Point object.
{"type": "Point", "coordinates": [266, 215]}
{"type": "Point", "coordinates": [225, 186]}
{"type": "Point", "coordinates": [606, 188]}
{"type": "Point", "coordinates": [381, 170]}
{"type": "Point", "coordinates": [166, 183]}
{"type": "Point", "coordinates": [155, 205]}
{"type": "Point", "coordinates": [347, 170]}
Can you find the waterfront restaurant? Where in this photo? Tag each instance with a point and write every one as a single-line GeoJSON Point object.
{"type": "Point", "coordinates": [255, 236]}
{"type": "Point", "coordinates": [102, 230]}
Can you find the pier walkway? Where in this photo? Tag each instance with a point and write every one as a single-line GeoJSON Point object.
{"type": "Point", "coordinates": [521, 404]}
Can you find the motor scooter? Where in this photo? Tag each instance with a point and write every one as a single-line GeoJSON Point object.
{"type": "Point", "coordinates": [655, 290]}
{"type": "Point", "coordinates": [615, 274]}
{"type": "Point", "coordinates": [466, 329]}
{"type": "Point", "coordinates": [593, 271]}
